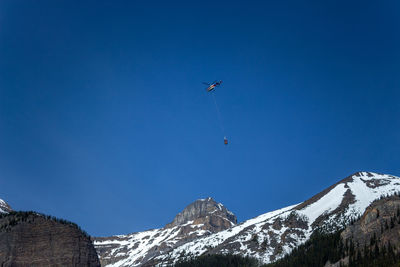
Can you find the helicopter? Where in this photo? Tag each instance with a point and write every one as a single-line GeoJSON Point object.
{"type": "Point", "coordinates": [211, 86]}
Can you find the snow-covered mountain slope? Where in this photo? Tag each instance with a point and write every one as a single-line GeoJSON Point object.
{"type": "Point", "coordinates": [266, 237]}
{"type": "Point", "coordinates": [202, 217]}
{"type": "Point", "coordinates": [273, 234]}
{"type": "Point", "coordinates": [4, 207]}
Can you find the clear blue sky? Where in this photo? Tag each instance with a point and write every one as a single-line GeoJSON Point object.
{"type": "Point", "coordinates": [104, 120]}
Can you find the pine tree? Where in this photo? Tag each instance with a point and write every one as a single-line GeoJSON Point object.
{"type": "Point", "coordinates": [376, 250]}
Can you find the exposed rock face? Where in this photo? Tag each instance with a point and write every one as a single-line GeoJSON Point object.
{"type": "Point", "coordinates": [205, 211]}
{"type": "Point", "coordinates": [378, 226]}
{"type": "Point", "coordinates": [381, 221]}
{"type": "Point", "coordinates": [202, 217]}
{"type": "Point", "coordinates": [29, 239]}
{"type": "Point", "coordinates": [4, 207]}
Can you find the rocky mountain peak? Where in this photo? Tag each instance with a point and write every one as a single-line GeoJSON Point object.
{"type": "Point", "coordinates": [202, 209]}
{"type": "Point", "coordinates": [201, 218]}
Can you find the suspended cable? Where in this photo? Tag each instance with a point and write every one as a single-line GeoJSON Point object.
{"type": "Point", "coordinates": [221, 124]}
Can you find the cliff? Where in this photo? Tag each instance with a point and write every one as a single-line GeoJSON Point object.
{"type": "Point", "coordinates": [31, 239]}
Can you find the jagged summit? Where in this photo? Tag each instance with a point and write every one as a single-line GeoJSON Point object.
{"type": "Point", "coordinates": [201, 218]}
{"type": "Point", "coordinates": [268, 237]}
{"type": "Point", "coordinates": [202, 211]}
{"type": "Point", "coordinates": [358, 180]}
{"type": "Point", "coordinates": [4, 207]}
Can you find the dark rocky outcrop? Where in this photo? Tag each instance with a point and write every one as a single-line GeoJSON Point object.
{"type": "Point", "coordinates": [31, 239]}
{"type": "Point", "coordinates": [379, 226]}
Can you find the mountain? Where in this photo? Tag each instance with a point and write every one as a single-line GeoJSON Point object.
{"type": "Point", "coordinates": [202, 217]}
{"type": "Point", "coordinates": [32, 239]}
{"type": "Point", "coordinates": [274, 234]}
{"type": "Point", "coordinates": [371, 241]}
{"type": "Point", "coordinates": [267, 237]}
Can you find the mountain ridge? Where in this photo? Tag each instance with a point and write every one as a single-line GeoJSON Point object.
{"type": "Point", "coordinates": [202, 217]}
{"type": "Point", "coordinates": [268, 236]}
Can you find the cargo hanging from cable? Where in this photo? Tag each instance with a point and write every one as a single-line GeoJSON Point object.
{"type": "Point", "coordinates": [211, 89]}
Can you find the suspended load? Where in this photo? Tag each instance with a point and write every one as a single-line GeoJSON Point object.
{"type": "Point", "coordinates": [225, 140]}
